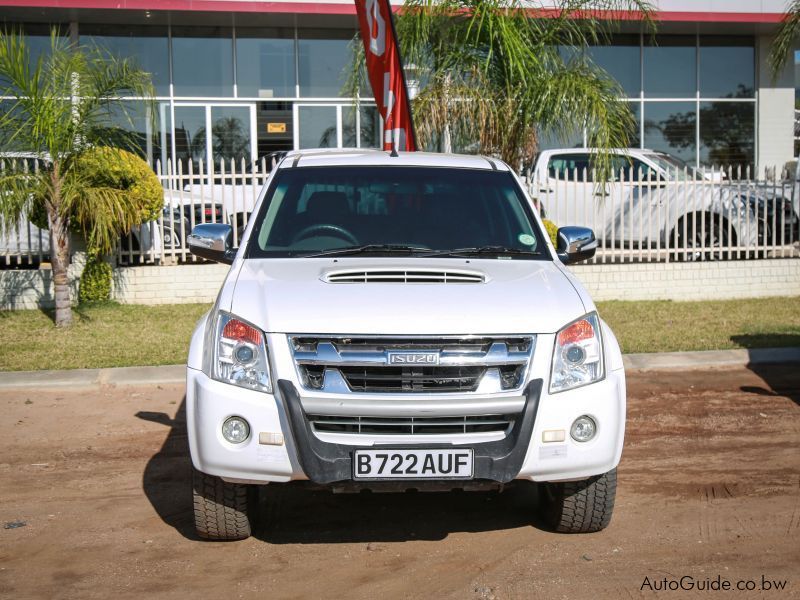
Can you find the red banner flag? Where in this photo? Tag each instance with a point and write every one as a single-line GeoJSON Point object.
{"type": "Point", "coordinates": [385, 71]}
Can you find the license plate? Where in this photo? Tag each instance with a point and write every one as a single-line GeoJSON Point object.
{"type": "Point", "coordinates": [412, 464]}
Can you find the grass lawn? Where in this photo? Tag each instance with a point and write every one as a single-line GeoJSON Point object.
{"type": "Point", "coordinates": [664, 326]}
{"type": "Point", "coordinates": [115, 335]}
{"type": "Point", "coordinates": [107, 335]}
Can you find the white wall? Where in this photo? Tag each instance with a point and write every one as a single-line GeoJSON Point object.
{"type": "Point", "coordinates": [775, 118]}
{"type": "Point", "coordinates": [646, 281]}
{"type": "Point", "coordinates": [692, 281]}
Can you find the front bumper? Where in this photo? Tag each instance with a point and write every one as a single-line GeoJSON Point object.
{"type": "Point", "coordinates": [327, 462]}
{"type": "Point", "coordinates": [522, 454]}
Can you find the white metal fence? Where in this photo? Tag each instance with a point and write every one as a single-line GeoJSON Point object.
{"type": "Point", "coordinates": [637, 217]}
{"type": "Point", "coordinates": [193, 196]}
{"type": "Point", "coordinates": [677, 214]}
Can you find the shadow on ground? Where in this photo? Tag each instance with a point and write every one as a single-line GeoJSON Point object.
{"type": "Point", "coordinates": [781, 380]}
{"type": "Point", "coordinates": [167, 478]}
{"type": "Point", "coordinates": [296, 514]}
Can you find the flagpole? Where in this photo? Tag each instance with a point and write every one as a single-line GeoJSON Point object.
{"type": "Point", "coordinates": [403, 73]}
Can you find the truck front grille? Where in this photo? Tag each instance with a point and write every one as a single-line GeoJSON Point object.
{"type": "Point", "coordinates": [448, 364]}
{"type": "Point", "coordinates": [412, 425]}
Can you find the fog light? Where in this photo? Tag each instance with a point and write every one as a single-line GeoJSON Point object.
{"type": "Point", "coordinates": [583, 429]}
{"type": "Point", "coordinates": [235, 430]}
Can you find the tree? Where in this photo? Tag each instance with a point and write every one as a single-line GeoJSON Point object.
{"type": "Point", "coordinates": [497, 75]}
{"type": "Point", "coordinates": [785, 41]}
{"type": "Point", "coordinates": [60, 106]}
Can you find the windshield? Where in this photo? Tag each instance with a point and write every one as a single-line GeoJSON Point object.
{"type": "Point", "coordinates": [674, 168]}
{"type": "Point", "coordinates": [389, 210]}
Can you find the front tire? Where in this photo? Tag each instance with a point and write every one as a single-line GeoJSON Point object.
{"type": "Point", "coordinates": [222, 510]}
{"type": "Point", "coordinates": [705, 238]}
{"type": "Point", "coordinates": [583, 506]}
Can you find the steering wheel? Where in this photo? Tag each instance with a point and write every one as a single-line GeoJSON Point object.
{"type": "Point", "coordinates": [327, 227]}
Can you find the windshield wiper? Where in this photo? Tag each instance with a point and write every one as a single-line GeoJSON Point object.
{"type": "Point", "coordinates": [471, 251]}
{"type": "Point", "coordinates": [350, 250]}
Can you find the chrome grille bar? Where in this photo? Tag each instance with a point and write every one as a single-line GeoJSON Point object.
{"type": "Point", "coordinates": [327, 354]}
{"type": "Point", "coordinates": [341, 364]}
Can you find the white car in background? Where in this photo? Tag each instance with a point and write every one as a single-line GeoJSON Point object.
{"type": "Point", "coordinates": [401, 322]}
{"type": "Point", "coordinates": [25, 244]}
{"type": "Point", "coordinates": [651, 198]}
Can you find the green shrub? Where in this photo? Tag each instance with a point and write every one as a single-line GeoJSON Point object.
{"type": "Point", "coordinates": [552, 230]}
{"type": "Point", "coordinates": [95, 283]}
{"type": "Point", "coordinates": [121, 170]}
{"type": "Point", "coordinates": [104, 168]}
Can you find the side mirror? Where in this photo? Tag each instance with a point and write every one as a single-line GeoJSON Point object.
{"type": "Point", "coordinates": [212, 241]}
{"type": "Point", "coordinates": [575, 244]}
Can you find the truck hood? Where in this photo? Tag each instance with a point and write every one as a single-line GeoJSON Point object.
{"type": "Point", "coordinates": [295, 296]}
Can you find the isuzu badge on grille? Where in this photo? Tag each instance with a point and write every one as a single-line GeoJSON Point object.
{"type": "Point", "coordinates": [413, 358]}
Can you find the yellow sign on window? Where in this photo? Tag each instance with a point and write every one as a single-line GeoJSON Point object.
{"type": "Point", "coordinates": [276, 127]}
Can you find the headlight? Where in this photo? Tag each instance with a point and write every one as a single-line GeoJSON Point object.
{"type": "Point", "coordinates": [578, 355]}
{"type": "Point", "coordinates": [240, 354]}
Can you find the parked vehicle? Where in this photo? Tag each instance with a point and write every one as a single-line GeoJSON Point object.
{"type": "Point", "coordinates": [783, 192]}
{"type": "Point", "coordinates": [217, 198]}
{"type": "Point", "coordinates": [401, 322]}
{"type": "Point", "coordinates": [28, 242]}
{"type": "Point", "coordinates": [651, 198]}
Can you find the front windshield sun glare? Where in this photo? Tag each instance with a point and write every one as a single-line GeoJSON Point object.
{"type": "Point", "coordinates": [395, 211]}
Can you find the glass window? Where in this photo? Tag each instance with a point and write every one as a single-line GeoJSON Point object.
{"type": "Point", "coordinates": [37, 37]}
{"type": "Point", "coordinates": [629, 169]}
{"type": "Point", "coordinates": [323, 61]}
{"type": "Point", "coordinates": [148, 47]}
{"type": "Point", "coordinates": [310, 210]}
{"type": "Point", "coordinates": [570, 167]}
{"type": "Point", "coordinates": [727, 134]}
{"type": "Point", "coordinates": [371, 132]}
{"type": "Point", "coordinates": [727, 67]}
{"type": "Point", "coordinates": [671, 127]}
{"type": "Point", "coordinates": [349, 129]}
{"type": "Point", "coordinates": [6, 133]}
{"type": "Point", "coordinates": [202, 61]}
{"type": "Point", "coordinates": [133, 126]}
{"type": "Point", "coordinates": [636, 134]}
{"type": "Point", "coordinates": [38, 40]}
{"type": "Point", "coordinates": [551, 140]}
{"type": "Point", "coordinates": [265, 63]}
{"type": "Point", "coordinates": [621, 60]}
{"type": "Point", "coordinates": [670, 67]}
{"type": "Point", "coordinates": [190, 137]}
{"type": "Point", "coordinates": [230, 136]}
{"type": "Point", "coordinates": [674, 169]}
{"type": "Point", "coordinates": [317, 126]}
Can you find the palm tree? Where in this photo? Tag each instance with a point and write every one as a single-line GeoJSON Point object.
{"type": "Point", "coordinates": [788, 32]}
{"type": "Point", "coordinates": [496, 76]}
{"type": "Point", "coordinates": [61, 105]}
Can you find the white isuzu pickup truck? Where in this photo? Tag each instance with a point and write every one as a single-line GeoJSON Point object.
{"type": "Point", "coordinates": [401, 322]}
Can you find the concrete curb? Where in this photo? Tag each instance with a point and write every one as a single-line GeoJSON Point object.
{"type": "Point", "coordinates": [174, 374]}
{"type": "Point", "coordinates": [168, 374]}
{"type": "Point", "coordinates": [710, 358]}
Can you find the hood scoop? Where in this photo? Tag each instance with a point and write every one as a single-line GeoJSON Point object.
{"type": "Point", "coordinates": [395, 275]}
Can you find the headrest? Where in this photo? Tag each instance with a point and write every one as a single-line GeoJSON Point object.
{"type": "Point", "coordinates": [324, 205]}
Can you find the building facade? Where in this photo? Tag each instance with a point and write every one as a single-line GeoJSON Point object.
{"type": "Point", "coordinates": [238, 79]}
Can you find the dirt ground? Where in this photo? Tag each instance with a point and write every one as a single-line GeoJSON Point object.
{"type": "Point", "coordinates": [94, 500]}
